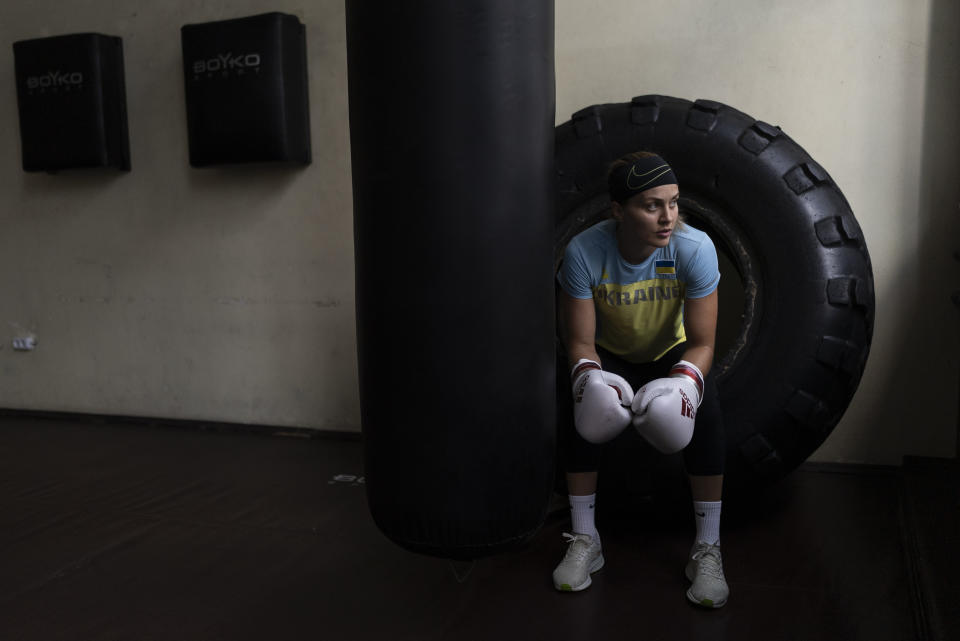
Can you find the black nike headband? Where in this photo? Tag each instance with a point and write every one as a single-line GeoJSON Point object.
{"type": "Point", "coordinates": [646, 173]}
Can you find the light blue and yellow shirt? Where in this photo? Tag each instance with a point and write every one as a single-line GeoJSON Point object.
{"type": "Point", "coordinates": [639, 307]}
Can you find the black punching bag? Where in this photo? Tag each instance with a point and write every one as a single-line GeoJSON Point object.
{"type": "Point", "coordinates": [451, 131]}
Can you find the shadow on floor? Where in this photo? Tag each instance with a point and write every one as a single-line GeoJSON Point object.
{"type": "Point", "coordinates": [113, 531]}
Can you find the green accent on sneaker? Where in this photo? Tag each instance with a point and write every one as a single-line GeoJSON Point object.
{"type": "Point", "coordinates": [705, 570]}
{"type": "Point", "coordinates": [583, 557]}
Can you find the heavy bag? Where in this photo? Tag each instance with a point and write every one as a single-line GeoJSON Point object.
{"type": "Point", "coordinates": [451, 130]}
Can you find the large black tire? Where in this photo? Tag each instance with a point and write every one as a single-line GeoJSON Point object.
{"type": "Point", "coordinates": [790, 367]}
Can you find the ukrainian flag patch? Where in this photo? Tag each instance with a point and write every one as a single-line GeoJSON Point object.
{"type": "Point", "coordinates": [666, 268]}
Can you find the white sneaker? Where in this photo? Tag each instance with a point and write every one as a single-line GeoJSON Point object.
{"type": "Point", "coordinates": [582, 559]}
{"type": "Point", "coordinates": [705, 569]}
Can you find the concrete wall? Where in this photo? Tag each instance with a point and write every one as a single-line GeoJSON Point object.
{"type": "Point", "coordinates": [217, 294]}
{"type": "Point", "coordinates": [227, 294]}
{"type": "Point", "coordinates": [871, 91]}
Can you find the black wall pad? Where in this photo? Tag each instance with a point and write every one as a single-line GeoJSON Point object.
{"type": "Point", "coordinates": [72, 102]}
{"type": "Point", "coordinates": [451, 134]}
{"type": "Point", "coordinates": [246, 90]}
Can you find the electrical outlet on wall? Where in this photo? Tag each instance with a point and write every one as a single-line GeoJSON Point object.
{"type": "Point", "coordinates": [24, 343]}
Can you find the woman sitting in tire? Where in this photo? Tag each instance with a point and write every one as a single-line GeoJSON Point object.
{"type": "Point", "coordinates": [639, 309]}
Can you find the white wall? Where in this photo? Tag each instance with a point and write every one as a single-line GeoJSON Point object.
{"type": "Point", "coordinates": [870, 88]}
{"type": "Point", "coordinates": [227, 294]}
{"type": "Point", "coordinates": [217, 294]}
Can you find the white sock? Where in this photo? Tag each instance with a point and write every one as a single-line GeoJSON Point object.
{"type": "Point", "coordinates": [707, 514]}
{"type": "Point", "coordinates": [581, 513]}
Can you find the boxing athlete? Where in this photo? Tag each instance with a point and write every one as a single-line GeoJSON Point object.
{"type": "Point", "coordinates": [639, 310]}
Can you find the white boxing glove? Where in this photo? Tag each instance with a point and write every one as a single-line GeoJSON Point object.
{"type": "Point", "coordinates": [601, 402]}
{"type": "Point", "coordinates": [665, 409]}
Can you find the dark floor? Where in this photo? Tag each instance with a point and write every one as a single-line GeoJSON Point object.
{"type": "Point", "coordinates": [125, 531]}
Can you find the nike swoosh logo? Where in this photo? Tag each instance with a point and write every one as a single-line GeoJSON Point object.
{"type": "Point", "coordinates": [637, 181]}
{"type": "Point", "coordinates": [701, 514]}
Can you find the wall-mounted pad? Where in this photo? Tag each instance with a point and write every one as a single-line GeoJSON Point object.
{"type": "Point", "coordinates": [246, 90]}
{"type": "Point", "coordinates": [72, 102]}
